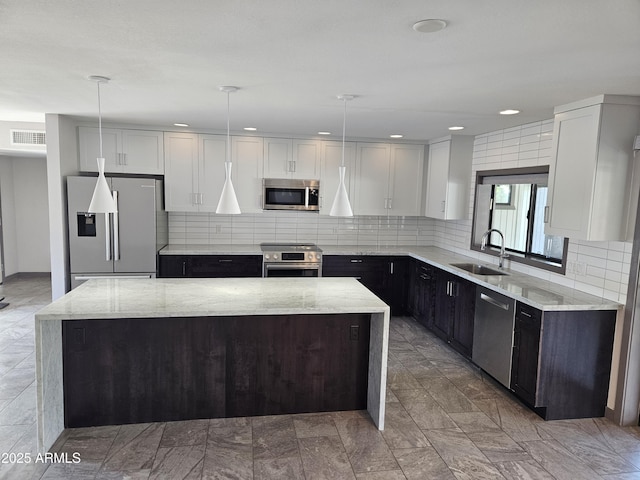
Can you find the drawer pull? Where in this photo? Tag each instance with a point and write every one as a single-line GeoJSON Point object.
{"type": "Point", "coordinates": [225, 260]}
{"type": "Point", "coordinates": [356, 260]}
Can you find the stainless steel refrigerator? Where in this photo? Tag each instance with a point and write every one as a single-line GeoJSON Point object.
{"type": "Point", "coordinates": [124, 244]}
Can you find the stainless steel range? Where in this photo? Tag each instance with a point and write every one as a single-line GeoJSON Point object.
{"type": "Point", "coordinates": [291, 260]}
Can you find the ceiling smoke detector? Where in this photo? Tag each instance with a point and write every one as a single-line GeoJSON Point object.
{"type": "Point", "coordinates": [430, 25]}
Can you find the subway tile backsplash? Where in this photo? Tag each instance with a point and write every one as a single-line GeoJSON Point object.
{"type": "Point", "coordinates": [599, 268]}
{"type": "Point", "coordinates": [205, 228]}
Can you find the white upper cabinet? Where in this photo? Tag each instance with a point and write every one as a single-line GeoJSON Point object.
{"type": "Point", "coordinates": [331, 159]}
{"type": "Point", "coordinates": [247, 157]}
{"type": "Point", "coordinates": [371, 188]}
{"type": "Point", "coordinates": [194, 171]}
{"type": "Point", "coordinates": [388, 179]}
{"type": "Point", "coordinates": [591, 170]}
{"type": "Point", "coordinates": [181, 172]}
{"type": "Point", "coordinates": [449, 177]}
{"type": "Point", "coordinates": [212, 153]}
{"type": "Point", "coordinates": [405, 179]}
{"type": "Point", "coordinates": [292, 158]}
{"type": "Point", "coordinates": [125, 151]}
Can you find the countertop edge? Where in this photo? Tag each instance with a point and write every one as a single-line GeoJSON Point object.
{"type": "Point", "coordinates": [412, 252]}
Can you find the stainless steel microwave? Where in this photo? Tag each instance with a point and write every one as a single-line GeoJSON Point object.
{"type": "Point", "coordinates": [290, 194]}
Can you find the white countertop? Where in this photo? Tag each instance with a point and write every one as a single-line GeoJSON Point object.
{"type": "Point", "coordinates": [539, 293]}
{"type": "Point", "coordinates": [203, 297]}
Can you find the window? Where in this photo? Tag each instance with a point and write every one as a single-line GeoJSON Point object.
{"type": "Point", "coordinates": [513, 201]}
{"type": "Point", "coordinates": [502, 195]}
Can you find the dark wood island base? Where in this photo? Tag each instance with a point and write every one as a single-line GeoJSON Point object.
{"type": "Point", "coordinates": [139, 370]}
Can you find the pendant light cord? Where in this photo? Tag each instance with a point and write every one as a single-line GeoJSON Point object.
{"type": "Point", "coordinates": [344, 127]}
{"type": "Point", "coordinates": [228, 134]}
{"type": "Point", "coordinates": [99, 120]}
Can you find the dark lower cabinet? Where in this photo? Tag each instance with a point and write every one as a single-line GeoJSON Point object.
{"type": "Point", "coordinates": [526, 351]}
{"type": "Point", "coordinates": [386, 276]}
{"type": "Point", "coordinates": [122, 371]}
{"type": "Point", "coordinates": [209, 266]}
{"type": "Point", "coordinates": [421, 292]}
{"type": "Point", "coordinates": [172, 266]}
{"type": "Point", "coordinates": [562, 361]}
{"type": "Point", "coordinates": [454, 309]}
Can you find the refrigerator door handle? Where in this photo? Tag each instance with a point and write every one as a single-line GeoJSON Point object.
{"type": "Point", "coordinates": [107, 229]}
{"type": "Point", "coordinates": [116, 229]}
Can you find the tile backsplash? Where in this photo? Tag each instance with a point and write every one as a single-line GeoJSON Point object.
{"type": "Point", "coordinates": [599, 268]}
{"type": "Point", "coordinates": [205, 228]}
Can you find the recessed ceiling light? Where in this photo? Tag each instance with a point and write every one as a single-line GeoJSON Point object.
{"type": "Point", "coordinates": [324, 133]}
{"type": "Point", "coordinates": [429, 26]}
{"type": "Point", "coordinates": [456, 128]}
{"type": "Point", "coordinates": [509, 111]}
{"type": "Point", "coordinates": [181, 124]}
{"type": "Point", "coordinates": [250, 129]}
{"type": "Point", "coordinates": [396, 135]}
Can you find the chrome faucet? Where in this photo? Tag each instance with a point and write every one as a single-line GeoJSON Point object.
{"type": "Point", "coordinates": [485, 238]}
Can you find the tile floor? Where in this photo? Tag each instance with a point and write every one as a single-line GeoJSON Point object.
{"type": "Point", "coordinates": [445, 419]}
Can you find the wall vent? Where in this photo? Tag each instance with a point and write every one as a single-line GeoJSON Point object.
{"type": "Point", "coordinates": [28, 137]}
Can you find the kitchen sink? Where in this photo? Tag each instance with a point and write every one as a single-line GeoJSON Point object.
{"type": "Point", "coordinates": [477, 269]}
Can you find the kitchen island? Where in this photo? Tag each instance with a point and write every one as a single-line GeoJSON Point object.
{"type": "Point", "coordinates": [211, 347]}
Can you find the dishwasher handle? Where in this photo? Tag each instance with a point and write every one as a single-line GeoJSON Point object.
{"type": "Point", "coordinates": [493, 301]}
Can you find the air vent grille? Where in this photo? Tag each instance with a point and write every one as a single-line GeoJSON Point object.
{"type": "Point", "coordinates": [28, 137]}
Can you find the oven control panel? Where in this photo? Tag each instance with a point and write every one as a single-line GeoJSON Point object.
{"type": "Point", "coordinates": [292, 257]}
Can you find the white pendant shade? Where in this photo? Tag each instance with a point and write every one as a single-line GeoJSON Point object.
{"type": "Point", "coordinates": [102, 200]}
{"type": "Point", "coordinates": [228, 201]}
{"type": "Point", "coordinates": [341, 206]}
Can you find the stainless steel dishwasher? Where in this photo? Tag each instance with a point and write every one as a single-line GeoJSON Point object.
{"type": "Point", "coordinates": [493, 334]}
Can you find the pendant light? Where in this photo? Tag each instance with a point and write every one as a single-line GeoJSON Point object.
{"type": "Point", "coordinates": [102, 200]}
{"type": "Point", "coordinates": [341, 206]}
{"type": "Point", "coordinates": [228, 203]}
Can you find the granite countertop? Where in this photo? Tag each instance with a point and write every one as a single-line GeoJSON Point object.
{"type": "Point", "coordinates": [203, 297]}
{"type": "Point", "coordinates": [539, 293]}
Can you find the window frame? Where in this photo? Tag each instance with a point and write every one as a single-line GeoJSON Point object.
{"type": "Point", "coordinates": [528, 257]}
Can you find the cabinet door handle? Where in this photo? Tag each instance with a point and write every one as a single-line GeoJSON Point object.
{"type": "Point", "coordinates": [526, 314]}
{"type": "Point", "coordinates": [293, 164]}
{"type": "Point", "coordinates": [442, 206]}
{"type": "Point", "coordinates": [184, 268]}
{"type": "Point", "coordinates": [391, 268]}
{"type": "Point", "coordinates": [390, 203]}
{"type": "Point", "coordinates": [546, 214]}
{"type": "Point", "coordinates": [201, 198]}
{"type": "Point", "coordinates": [386, 203]}
{"type": "Point", "coordinates": [124, 159]}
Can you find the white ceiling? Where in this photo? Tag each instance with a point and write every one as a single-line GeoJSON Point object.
{"type": "Point", "coordinates": [292, 57]}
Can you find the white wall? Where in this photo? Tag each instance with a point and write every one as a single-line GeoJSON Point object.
{"type": "Point", "coordinates": [9, 239]}
{"type": "Point", "coordinates": [25, 215]}
{"type": "Point", "coordinates": [62, 160]}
